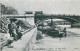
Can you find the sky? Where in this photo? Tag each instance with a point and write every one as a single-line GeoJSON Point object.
{"type": "Point", "coordinates": [47, 6]}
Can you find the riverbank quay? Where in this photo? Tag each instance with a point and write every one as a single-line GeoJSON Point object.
{"type": "Point", "coordinates": [73, 30]}
{"type": "Point", "coordinates": [25, 43]}
{"type": "Point", "coordinates": [3, 40]}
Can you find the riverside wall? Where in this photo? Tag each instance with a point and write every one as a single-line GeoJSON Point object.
{"type": "Point", "coordinates": [26, 43]}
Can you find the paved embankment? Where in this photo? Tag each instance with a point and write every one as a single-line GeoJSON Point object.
{"type": "Point", "coordinates": [74, 30]}
{"type": "Point", "coordinates": [20, 45]}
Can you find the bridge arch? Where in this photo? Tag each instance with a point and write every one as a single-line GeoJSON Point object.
{"type": "Point", "coordinates": [72, 19]}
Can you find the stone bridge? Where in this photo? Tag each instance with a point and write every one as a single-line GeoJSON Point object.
{"type": "Point", "coordinates": [71, 18]}
{"type": "Point", "coordinates": [39, 15]}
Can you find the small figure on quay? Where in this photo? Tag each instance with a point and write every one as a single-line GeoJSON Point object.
{"type": "Point", "coordinates": [12, 29]}
{"type": "Point", "coordinates": [65, 32]}
{"type": "Point", "coordinates": [18, 31]}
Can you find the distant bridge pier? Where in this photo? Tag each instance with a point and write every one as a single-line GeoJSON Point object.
{"type": "Point", "coordinates": [25, 18]}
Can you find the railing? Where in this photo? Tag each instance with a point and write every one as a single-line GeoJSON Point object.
{"type": "Point", "coordinates": [29, 46]}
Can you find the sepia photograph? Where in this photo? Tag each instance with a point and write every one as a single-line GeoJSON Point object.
{"type": "Point", "coordinates": [39, 25]}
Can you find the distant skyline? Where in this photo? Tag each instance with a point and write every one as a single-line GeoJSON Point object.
{"type": "Point", "coordinates": [47, 6]}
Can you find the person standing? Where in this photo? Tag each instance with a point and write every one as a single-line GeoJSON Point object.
{"type": "Point", "coordinates": [18, 32]}
{"type": "Point", "coordinates": [12, 30]}
{"type": "Point", "coordinates": [65, 32]}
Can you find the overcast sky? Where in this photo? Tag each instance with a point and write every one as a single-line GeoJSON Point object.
{"type": "Point", "coordinates": [47, 6]}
